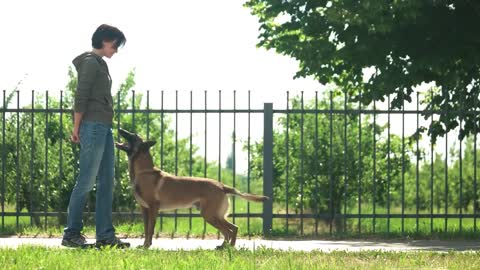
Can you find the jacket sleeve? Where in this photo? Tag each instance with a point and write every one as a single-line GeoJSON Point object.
{"type": "Point", "coordinates": [86, 78]}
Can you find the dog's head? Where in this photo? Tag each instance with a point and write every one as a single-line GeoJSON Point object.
{"type": "Point", "coordinates": [133, 144]}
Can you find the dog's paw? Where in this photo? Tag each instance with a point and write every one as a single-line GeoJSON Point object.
{"type": "Point", "coordinates": [223, 246]}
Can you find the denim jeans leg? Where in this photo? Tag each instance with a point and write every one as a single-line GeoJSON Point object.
{"type": "Point", "coordinates": [92, 144]}
{"type": "Point", "coordinates": [105, 184]}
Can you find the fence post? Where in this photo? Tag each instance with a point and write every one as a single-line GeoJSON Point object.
{"type": "Point", "coordinates": [267, 166]}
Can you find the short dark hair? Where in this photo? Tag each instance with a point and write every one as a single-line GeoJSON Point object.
{"type": "Point", "coordinates": [107, 32]}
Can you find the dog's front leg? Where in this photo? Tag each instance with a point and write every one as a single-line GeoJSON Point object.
{"type": "Point", "coordinates": [145, 221]}
{"type": "Point", "coordinates": [151, 219]}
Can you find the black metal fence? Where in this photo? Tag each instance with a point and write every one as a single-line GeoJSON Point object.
{"type": "Point", "coordinates": [328, 164]}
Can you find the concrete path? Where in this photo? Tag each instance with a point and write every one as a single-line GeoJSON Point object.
{"type": "Point", "coordinates": [300, 245]}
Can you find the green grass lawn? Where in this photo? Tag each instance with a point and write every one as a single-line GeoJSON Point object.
{"type": "Point", "coordinates": [30, 257]}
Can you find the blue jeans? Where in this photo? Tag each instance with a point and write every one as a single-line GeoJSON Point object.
{"type": "Point", "coordinates": [96, 163]}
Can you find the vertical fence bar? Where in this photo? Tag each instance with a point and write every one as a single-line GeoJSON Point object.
{"type": "Point", "coordinates": [446, 182]}
{"type": "Point", "coordinates": [117, 157]}
{"type": "Point", "coordinates": [302, 177]}
{"type": "Point", "coordinates": [220, 135]}
{"type": "Point", "coordinates": [287, 159]}
{"type": "Point", "coordinates": [360, 164]}
{"type": "Point", "coordinates": [330, 169]}
{"type": "Point", "coordinates": [345, 162]}
{"type": "Point", "coordinates": [205, 157]}
{"type": "Point", "coordinates": [32, 157]}
{"type": "Point", "coordinates": [162, 131]}
{"type": "Point", "coordinates": [61, 148]}
{"type": "Point", "coordinates": [461, 173]}
{"type": "Point", "coordinates": [431, 171]}
{"type": "Point", "coordinates": [148, 124]}
{"type": "Point", "coordinates": [176, 152]}
{"type": "Point", "coordinates": [76, 154]}
{"type": "Point", "coordinates": [3, 160]}
{"type": "Point", "coordinates": [46, 159]}
{"type": "Point", "coordinates": [268, 167]}
{"type": "Point", "coordinates": [461, 185]}
{"type": "Point", "coordinates": [148, 115]}
{"type": "Point", "coordinates": [389, 165]}
{"type": "Point", "coordinates": [133, 112]}
{"type": "Point", "coordinates": [403, 167]}
{"type": "Point", "coordinates": [374, 162]}
{"type": "Point", "coordinates": [417, 167]}
{"type": "Point", "coordinates": [248, 165]}
{"type": "Point", "coordinates": [148, 127]}
{"type": "Point", "coordinates": [191, 158]}
{"type": "Point", "coordinates": [475, 197]}
{"type": "Point", "coordinates": [233, 158]}
{"type": "Point", "coordinates": [17, 163]}
{"type": "Point", "coordinates": [219, 141]}
{"type": "Point", "coordinates": [134, 130]}
{"type": "Point", "coordinates": [316, 163]}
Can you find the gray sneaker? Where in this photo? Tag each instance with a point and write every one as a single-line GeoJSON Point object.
{"type": "Point", "coordinates": [74, 240]}
{"type": "Point", "coordinates": [114, 242]}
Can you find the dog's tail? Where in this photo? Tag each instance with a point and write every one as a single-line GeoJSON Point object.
{"type": "Point", "coordinates": [246, 196]}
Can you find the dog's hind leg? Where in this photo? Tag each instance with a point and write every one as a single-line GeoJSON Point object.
{"type": "Point", "coordinates": [225, 231]}
{"type": "Point", "coordinates": [216, 223]}
{"type": "Point", "coordinates": [233, 229]}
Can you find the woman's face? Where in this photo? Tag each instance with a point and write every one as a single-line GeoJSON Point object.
{"type": "Point", "coordinates": [109, 48]}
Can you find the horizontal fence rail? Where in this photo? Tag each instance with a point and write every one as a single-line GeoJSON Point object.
{"type": "Point", "coordinates": [329, 165]}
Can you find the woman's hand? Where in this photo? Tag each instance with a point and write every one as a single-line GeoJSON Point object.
{"type": "Point", "coordinates": [75, 137]}
{"type": "Point", "coordinates": [77, 119]}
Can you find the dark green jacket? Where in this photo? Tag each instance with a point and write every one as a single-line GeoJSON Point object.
{"type": "Point", "coordinates": [93, 96]}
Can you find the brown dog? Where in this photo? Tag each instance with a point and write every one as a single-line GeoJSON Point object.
{"type": "Point", "coordinates": [156, 190]}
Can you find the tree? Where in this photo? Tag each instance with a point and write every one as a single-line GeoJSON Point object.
{"type": "Point", "coordinates": [446, 186]}
{"type": "Point", "coordinates": [404, 43]}
{"type": "Point", "coordinates": [463, 185]}
{"type": "Point", "coordinates": [318, 175]}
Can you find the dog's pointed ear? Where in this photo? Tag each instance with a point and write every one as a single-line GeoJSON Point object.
{"type": "Point", "coordinates": [146, 145]}
{"type": "Point", "coordinates": [150, 143]}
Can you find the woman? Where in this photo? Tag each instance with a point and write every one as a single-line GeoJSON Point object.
{"type": "Point", "coordinates": [93, 116]}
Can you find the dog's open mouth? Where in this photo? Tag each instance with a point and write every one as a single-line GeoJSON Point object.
{"type": "Point", "coordinates": [122, 146]}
